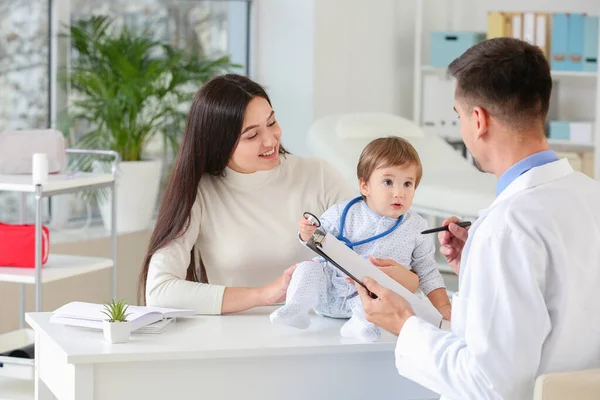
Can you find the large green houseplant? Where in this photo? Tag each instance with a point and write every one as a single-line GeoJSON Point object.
{"type": "Point", "coordinates": [128, 90]}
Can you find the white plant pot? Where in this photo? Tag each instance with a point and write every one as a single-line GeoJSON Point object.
{"type": "Point", "coordinates": [116, 332]}
{"type": "Point", "coordinates": [137, 191]}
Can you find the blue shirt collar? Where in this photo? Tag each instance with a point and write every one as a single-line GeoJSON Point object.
{"type": "Point", "coordinates": [534, 160]}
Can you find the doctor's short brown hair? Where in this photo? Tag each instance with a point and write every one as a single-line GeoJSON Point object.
{"type": "Point", "coordinates": [391, 151]}
{"type": "Point", "coordinates": [508, 78]}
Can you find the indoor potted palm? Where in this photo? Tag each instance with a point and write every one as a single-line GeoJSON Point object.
{"type": "Point", "coordinates": [128, 90]}
{"type": "Point", "coordinates": [116, 327]}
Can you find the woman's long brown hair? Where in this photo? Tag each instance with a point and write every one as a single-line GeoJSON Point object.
{"type": "Point", "coordinates": [213, 128]}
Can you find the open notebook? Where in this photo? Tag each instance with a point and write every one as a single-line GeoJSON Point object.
{"type": "Point", "coordinates": [142, 319]}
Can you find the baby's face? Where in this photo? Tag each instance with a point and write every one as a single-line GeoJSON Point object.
{"type": "Point", "coordinates": [390, 191]}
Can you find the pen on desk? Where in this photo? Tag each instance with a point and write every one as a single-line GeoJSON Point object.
{"type": "Point", "coordinates": [462, 224]}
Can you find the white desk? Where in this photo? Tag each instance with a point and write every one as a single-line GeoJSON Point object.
{"type": "Point", "coordinates": [218, 357]}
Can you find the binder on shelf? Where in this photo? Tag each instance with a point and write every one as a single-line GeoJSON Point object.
{"type": "Point", "coordinates": [439, 117]}
{"type": "Point", "coordinates": [517, 25]}
{"type": "Point", "coordinates": [542, 33]}
{"type": "Point", "coordinates": [559, 46]}
{"type": "Point", "coordinates": [590, 44]}
{"type": "Point", "coordinates": [575, 42]}
{"type": "Point", "coordinates": [529, 27]}
{"type": "Point", "coordinates": [497, 25]}
{"type": "Point", "coordinates": [581, 132]}
{"type": "Point", "coordinates": [559, 130]}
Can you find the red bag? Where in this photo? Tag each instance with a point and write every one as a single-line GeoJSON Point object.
{"type": "Point", "coordinates": [17, 245]}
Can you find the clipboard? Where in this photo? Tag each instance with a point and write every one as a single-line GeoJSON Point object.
{"type": "Point", "coordinates": [356, 268]}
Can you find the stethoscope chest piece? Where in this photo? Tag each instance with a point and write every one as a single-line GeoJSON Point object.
{"type": "Point", "coordinates": [312, 218]}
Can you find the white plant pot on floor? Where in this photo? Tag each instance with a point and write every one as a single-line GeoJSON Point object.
{"type": "Point", "coordinates": [116, 332]}
{"type": "Point", "coordinates": [137, 191]}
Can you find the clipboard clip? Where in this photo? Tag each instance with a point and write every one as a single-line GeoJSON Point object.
{"type": "Point", "coordinates": [315, 243]}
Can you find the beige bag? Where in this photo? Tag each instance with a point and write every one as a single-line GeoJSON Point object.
{"type": "Point", "coordinates": [17, 149]}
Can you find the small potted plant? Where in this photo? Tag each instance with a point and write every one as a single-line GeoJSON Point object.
{"type": "Point", "coordinates": [116, 328]}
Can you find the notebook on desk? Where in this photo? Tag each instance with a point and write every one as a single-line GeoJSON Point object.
{"type": "Point", "coordinates": [142, 319]}
{"type": "Point", "coordinates": [353, 265]}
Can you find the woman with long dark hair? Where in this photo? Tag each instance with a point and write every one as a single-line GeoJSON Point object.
{"type": "Point", "coordinates": [227, 225]}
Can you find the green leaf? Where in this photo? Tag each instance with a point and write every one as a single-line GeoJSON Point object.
{"type": "Point", "coordinates": [116, 311]}
{"type": "Point", "coordinates": [127, 88]}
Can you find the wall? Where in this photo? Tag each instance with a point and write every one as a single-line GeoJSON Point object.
{"type": "Point", "coordinates": [23, 64]}
{"type": "Point", "coordinates": [358, 59]}
{"type": "Point", "coordinates": [360, 56]}
{"type": "Point", "coordinates": [322, 57]}
{"type": "Point", "coordinates": [282, 55]}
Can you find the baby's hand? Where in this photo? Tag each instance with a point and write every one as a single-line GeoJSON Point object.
{"type": "Point", "coordinates": [306, 229]}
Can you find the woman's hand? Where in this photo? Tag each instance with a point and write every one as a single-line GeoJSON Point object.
{"type": "Point", "coordinates": [236, 299]}
{"type": "Point", "coordinates": [397, 272]}
{"type": "Point", "coordinates": [306, 229]}
{"type": "Point", "coordinates": [275, 291]}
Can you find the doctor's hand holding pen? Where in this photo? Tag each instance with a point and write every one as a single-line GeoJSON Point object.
{"type": "Point", "coordinates": [452, 242]}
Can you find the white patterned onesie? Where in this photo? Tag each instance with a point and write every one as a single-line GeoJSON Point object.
{"type": "Point", "coordinates": [318, 286]}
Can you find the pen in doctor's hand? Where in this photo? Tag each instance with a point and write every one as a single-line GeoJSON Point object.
{"type": "Point", "coordinates": [462, 224]}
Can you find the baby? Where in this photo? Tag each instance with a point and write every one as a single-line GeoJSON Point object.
{"type": "Point", "coordinates": [378, 224]}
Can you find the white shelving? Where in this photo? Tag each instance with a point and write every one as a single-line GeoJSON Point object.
{"type": "Point", "coordinates": [574, 74]}
{"type": "Point", "coordinates": [560, 145]}
{"type": "Point", "coordinates": [555, 74]}
{"type": "Point", "coordinates": [56, 268]}
{"type": "Point", "coordinates": [55, 184]}
{"type": "Point", "coordinates": [422, 69]}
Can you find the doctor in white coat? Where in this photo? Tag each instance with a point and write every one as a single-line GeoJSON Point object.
{"type": "Point", "coordinates": [530, 268]}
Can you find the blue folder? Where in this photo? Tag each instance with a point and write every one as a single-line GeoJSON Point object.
{"type": "Point", "coordinates": [575, 43]}
{"type": "Point", "coordinates": [590, 44]}
{"type": "Point", "coordinates": [559, 42]}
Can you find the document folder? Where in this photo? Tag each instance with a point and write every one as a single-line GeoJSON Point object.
{"type": "Point", "coordinates": [560, 42]}
{"type": "Point", "coordinates": [590, 44]}
{"type": "Point", "coordinates": [575, 42]}
{"type": "Point", "coordinates": [356, 268]}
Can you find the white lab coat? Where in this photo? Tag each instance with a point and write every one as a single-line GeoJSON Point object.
{"type": "Point", "coordinates": [527, 302]}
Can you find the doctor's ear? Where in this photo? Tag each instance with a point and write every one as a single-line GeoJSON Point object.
{"type": "Point", "coordinates": [481, 119]}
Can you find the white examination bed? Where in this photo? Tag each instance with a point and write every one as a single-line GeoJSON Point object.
{"type": "Point", "coordinates": [451, 185]}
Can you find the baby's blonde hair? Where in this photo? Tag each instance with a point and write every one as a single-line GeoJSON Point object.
{"type": "Point", "coordinates": [388, 152]}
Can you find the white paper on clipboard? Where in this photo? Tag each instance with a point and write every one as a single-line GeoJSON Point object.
{"type": "Point", "coordinates": [360, 268]}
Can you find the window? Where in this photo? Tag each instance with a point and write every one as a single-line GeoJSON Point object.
{"type": "Point", "coordinates": [24, 86]}
{"type": "Point", "coordinates": [30, 95]}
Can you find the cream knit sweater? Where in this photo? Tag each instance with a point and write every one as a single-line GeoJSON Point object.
{"type": "Point", "coordinates": [245, 228]}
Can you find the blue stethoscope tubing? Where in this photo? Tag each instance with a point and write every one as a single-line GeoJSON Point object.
{"type": "Point", "coordinates": [316, 222]}
{"type": "Point", "coordinates": [350, 244]}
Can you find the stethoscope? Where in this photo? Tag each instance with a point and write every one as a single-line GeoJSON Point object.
{"type": "Point", "coordinates": [313, 219]}
{"type": "Point", "coordinates": [316, 222]}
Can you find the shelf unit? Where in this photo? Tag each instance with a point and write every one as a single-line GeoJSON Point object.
{"type": "Point", "coordinates": [555, 74]}
{"type": "Point", "coordinates": [58, 266]}
{"type": "Point", "coordinates": [422, 69]}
